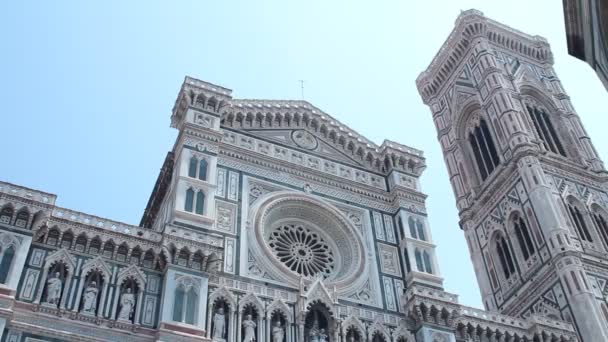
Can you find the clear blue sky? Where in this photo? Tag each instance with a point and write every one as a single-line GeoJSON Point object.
{"type": "Point", "coordinates": [86, 87]}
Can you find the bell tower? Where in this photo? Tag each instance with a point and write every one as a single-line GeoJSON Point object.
{"type": "Point", "coordinates": [529, 185]}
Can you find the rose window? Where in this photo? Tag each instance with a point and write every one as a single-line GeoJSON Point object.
{"type": "Point", "coordinates": [302, 250]}
{"type": "Point", "coordinates": [296, 235]}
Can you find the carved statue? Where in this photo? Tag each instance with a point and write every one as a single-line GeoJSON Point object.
{"type": "Point", "coordinates": [127, 304]}
{"type": "Point", "coordinates": [90, 298]}
{"type": "Point", "coordinates": [278, 334]}
{"type": "Point", "coordinates": [314, 334]}
{"type": "Point", "coordinates": [218, 325]}
{"type": "Point", "coordinates": [249, 326]}
{"type": "Point", "coordinates": [322, 336]}
{"type": "Point", "coordinates": [53, 289]}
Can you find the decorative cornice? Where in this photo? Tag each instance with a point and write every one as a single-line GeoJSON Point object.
{"type": "Point", "coordinates": [471, 26]}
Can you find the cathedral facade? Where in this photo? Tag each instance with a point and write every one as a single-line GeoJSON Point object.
{"type": "Point", "coordinates": [273, 221]}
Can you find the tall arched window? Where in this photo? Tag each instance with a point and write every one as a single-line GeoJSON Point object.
{"type": "Point", "coordinates": [428, 268]}
{"type": "Point", "coordinates": [420, 229]}
{"type": "Point", "coordinates": [545, 130]}
{"type": "Point", "coordinates": [5, 265]}
{"type": "Point", "coordinates": [185, 303]}
{"type": "Point", "coordinates": [419, 263]}
{"type": "Point", "coordinates": [189, 206]}
{"type": "Point", "coordinates": [484, 149]}
{"type": "Point", "coordinates": [192, 167]}
{"type": "Point", "coordinates": [601, 224]}
{"type": "Point", "coordinates": [579, 222]}
{"type": "Point", "coordinates": [523, 237]}
{"type": "Point", "coordinates": [505, 257]}
{"type": "Point", "coordinates": [198, 169]}
{"type": "Point", "coordinates": [412, 225]}
{"type": "Point", "coordinates": [200, 202]}
{"type": "Point", "coordinates": [178, 305]}
{"type": "Point", "coordinates": [202, 169]}
{"type": "Point", "coordinates": [400, 225]}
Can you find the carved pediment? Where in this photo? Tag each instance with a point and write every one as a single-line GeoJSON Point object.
{"type": "Point", "coordinates": [251, 299]}
{"type": "Point", "coordinates": [222, 293]}
{"type": "Point", "coordinates": [96, 263]}
{"type": "Point", "coordinates": [278, 305]}
{"type": "Point", "coordinates": [63, 256]}
{"type": "Point", "coordinates": [299, 125]}
{"type": "Point", "coordinates": [317, 293]}
{"type": "Point", "coordinates": [132, 272]}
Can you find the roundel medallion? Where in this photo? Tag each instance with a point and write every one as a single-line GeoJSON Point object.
{"type": "Point", "coordinates": [304, 139]}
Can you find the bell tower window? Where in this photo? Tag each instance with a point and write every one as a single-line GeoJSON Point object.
{"type": "Point", "coordinates": [484, 150]}
{"type": "Point", "coordinates": [545, 130]}
{"type": "Point", "coordinates": [505, 257]}
{"type": "Point", "coordinates": [524, 238]}
{"type": "Point", "coordinates": [579, 223]}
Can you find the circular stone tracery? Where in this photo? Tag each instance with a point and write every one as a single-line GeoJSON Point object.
{"type": "Point", "coordinates": [302, 250]}
{"type": "Point", "coordinates": [298, 235]}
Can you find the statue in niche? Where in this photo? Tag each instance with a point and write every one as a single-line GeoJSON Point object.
{"type": "Point", "coordinates": [322, 336]}
{"type": "Point", "coordinates": [53, 289]}
{"type": "Point", "coordinates": [127, 303]}
{"type": "Point", "coordinates": [249, 326]}
{"type": "Point", "coordinates": [90, 298]}
{"type": "Point", "coordinates": [219, 325]}
{"type": "Point", "coordinates": [278, 334]}
{"type": "Point", "coordinates": [316, 334]}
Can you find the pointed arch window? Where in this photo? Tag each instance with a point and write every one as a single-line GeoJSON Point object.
{"type": "Point", "coordinates": [5, 265]}
{"type": "Point", "coordinates": [420, 229]}
{"type": "Point", "coordinates": [200, 202]}
{"type": "Point", "coordinates": [192, 167]}
{"type": "Point", "coordinates": [602, 225]}
{"type": "Point", "coordinates": [6, 215]}
{"type": "Point", "coordinates": [545, 130]}
{"type": "Point", "coordinates": [95, 245]}
{"type": "Point", "coordinates": [185, 304]}
{"type": "Point", "coordinates": [427, 262]}
{"type": "Point", "coordinates": [412, 224]}
{"type": "Point", "coordinates": [202, 170]}
{"type": "Point", "coordinates": [505, 257]}
{"type": "Point", "coordinates": [419, 263]}
{"type": "Point", "coordinates": [195, 201]}
{"type": "Point", "coordinates": [189, 200]}
{"type": "Point", "coordinates": [579, 222]}
{"type": "Point", "coordinates": [198, 168]}
{"type": "Point", "coordinates": [22, 218]}
{"type": "Point", "coordinates": [524, 238]}
{"type": "Point", "coordinates": [484, 150]}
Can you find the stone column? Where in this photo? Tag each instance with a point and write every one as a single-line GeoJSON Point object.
{"type": "Point", "coordinates": [102, 298]}
{"type": "Point", "coordinates": [65, 291]}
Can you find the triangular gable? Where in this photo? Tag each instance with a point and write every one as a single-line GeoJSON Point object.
{"type": "Point", "coordinates": [278, 305]}
{"type": "Point", "coordinates": [223, 293]}
{"type": "Point", "coordinates": [61, 255]}
{"type": "Point", "coordinates": [317, 292]}
{"type": "Point", "coordinates": [310, 142]}
{"type": "Point", "coordinates": [355, 323]}
{"type": "Point", "coordinates": [96, 263]}
{"type": "Point", "coordinates": [251, 299]}
{"type": "Point", "coordinates": [132, 272]}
